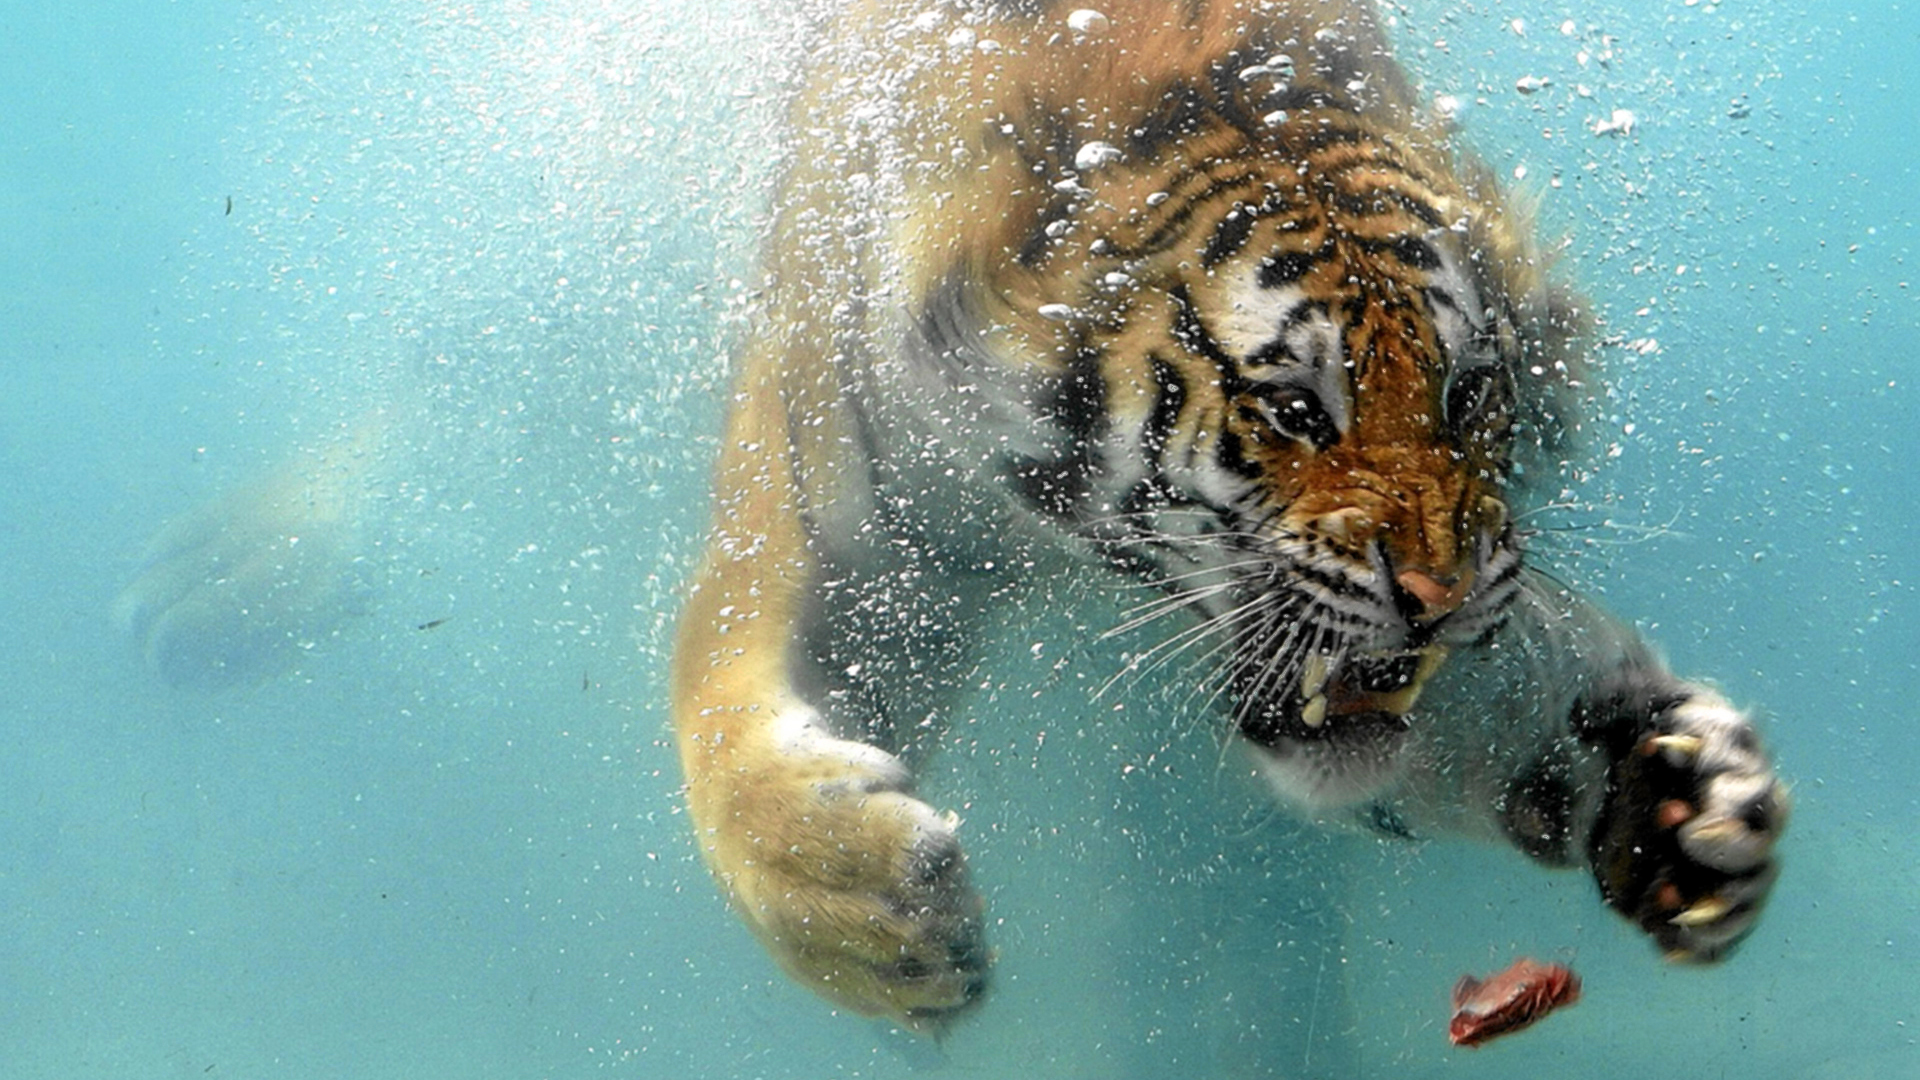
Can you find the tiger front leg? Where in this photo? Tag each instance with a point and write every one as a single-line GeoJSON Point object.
{"type": "Point", "coordinates": [858, 889]}
{"type": "Point", "coordinates": [1656, 783]}
{"type": "Point", "coordinates": [1684, 842]}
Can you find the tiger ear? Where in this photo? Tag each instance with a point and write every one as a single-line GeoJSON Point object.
{"type": "Point", "coordinates": [1552, 321]}
{"type": "Point", "coordinates": [1556, 384]}
{"type": "Point", "coordinates": [1557, 381]}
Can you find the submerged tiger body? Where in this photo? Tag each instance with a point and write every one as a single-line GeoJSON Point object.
{"type": "Point", "coordinates": [1197, 293]}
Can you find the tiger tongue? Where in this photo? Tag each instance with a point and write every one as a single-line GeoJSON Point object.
{"type": "Point", "coordinates": [1379, 683]}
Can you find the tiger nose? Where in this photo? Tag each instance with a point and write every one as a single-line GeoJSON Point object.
{"type": "Point", "coordinates": [1422, 591]}
{"type": "Point", "coordinates": [1424, 598]}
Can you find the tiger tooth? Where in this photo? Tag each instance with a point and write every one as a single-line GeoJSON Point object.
{"type": "Point", "coordinates": [1315, 713]}
{"type": "Point", "coordinates": [1313, 678]}
{"type": "Point", "coordinates": [1493, 514]}
{"type": "Point", "coordinates": [1402, 701]}
{"type": "Point", "coordinates": [1710, 910]}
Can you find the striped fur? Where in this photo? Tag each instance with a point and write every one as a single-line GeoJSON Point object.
{"type": "Point", "coordinates": [1193, 289]}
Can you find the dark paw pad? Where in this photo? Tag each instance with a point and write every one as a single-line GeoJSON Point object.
{"type": "Point", "coordinates": [1684, 845]}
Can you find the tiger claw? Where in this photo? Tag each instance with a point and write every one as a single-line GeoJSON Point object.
{"type": "Point", "coordinates": [1718, 833]}
{"type": "Point", "coordinates": [1681, 747]}
{"type": "Point", "coordinates": [1709, 910]}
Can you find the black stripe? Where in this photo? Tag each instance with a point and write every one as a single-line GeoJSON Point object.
{"type": "Point", "coordinates": [1230, 93]}
{"type": "Point", "coordinates": [1275, 350]}
{"type": "Point", "coordinates": [1300, 98]}
{"type": "Point", "coordinates": [1078, 402]}
{"type": "Point", "coordinates": [1046, 146]}
{"type": "Point", "coordinates": [1169, 398]}
{"type": "Point", "coordinates": [1155, 494]}
{"type": "Point", "coordinates": [1173, 226]}
{"type": "Point", "coordinates": [1279, 271]}
{"type": "Point", "coordinates": [1327, 136]}
{"type": "Point", "coordinates": [1230, 453]}
{"type": "Point", "coordinates": [1382, 201]}
{"type": "Point", "coordinates": [1338, 584]}
{"type": "Point", "coordinates": [1074, 416]}
{"type": "Point", "coordinates": [1416, 253]}
{"type": "Point", "coordinates": [1492, 631]}
{"type": "Point", "coordinates": [1183, 114]}
{"type": "Point", "coordinates": [1506, 575]}
{"type": "Point", "coordinates": [950, 327]}
{"type": "Point", "coordinates": [1188, 331]}
{"type": "Point", "coordinates": [1039, 242]}
{"type": "Point", "coordinates": [1228, 237]}
{"type": "Point", "coordinates": [1295, 413]}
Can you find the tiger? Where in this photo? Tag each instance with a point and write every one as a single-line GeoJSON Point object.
{"type": "Point", "coordinates": [1196, 295]}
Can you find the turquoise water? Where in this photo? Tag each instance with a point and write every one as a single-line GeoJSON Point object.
{"type": "Point", "coordinates": [502, 243]}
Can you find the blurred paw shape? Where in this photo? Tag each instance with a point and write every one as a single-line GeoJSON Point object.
{"type": "Point", "coordinates": [236, 590]}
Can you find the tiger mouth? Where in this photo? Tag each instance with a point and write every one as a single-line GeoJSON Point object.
{"type": "Point", "coordinates": [1384, 682]}
{"type": "Point", "coordinates": [1359, 694]}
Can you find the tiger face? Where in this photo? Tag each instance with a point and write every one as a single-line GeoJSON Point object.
{"type": "Point", "coordinates": [1290, 386]}
{"type": "Point", "coordinates": [1355, 453]}
{"type": "Point", "coordinates": [1328, 450]}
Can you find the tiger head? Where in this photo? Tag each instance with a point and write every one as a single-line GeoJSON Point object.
{"type": "Point", "coordinates": [1275, 346]}
{"type": "Point", "coordinates": [1326, 364]}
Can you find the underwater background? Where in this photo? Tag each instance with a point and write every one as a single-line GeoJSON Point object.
{"type": "Point", "coordinates": [482, 262]}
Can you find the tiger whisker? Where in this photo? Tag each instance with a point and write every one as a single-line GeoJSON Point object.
{"type": "Point", "coordinates": [1289, 635]}
{"type": "Point", "coordinates": [1545, 508]}
{"type": "Point", "coordinates": [1224, 568]}
{"type": "Point", "coordinates": [1283, 633]}
{"type": "Point", "coordinates": [1199, 571]}
{"type": "Point", "coordinates": [1164, 651]}
{"type": "Point", "coordinates": [1634, 533]}
{"type": "Point", "coordinates": [1301, 639]}
{"type": "Point", "coordinates": [1220, 624]}
{"type": "Point", "coordinates": [1225, 672]}
{"type": "Point", "coordinates": [1258, 534]}
{"type": "Point", "coordinates": [1155, 610]}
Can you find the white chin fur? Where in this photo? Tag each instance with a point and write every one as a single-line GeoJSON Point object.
{"type": "Point", "coordinates": [1326, 775]}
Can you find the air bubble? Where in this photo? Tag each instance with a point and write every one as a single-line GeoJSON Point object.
{"type": "Point", "coordinates": [1095, 154]}
{"type": "Point", "coordinates": [1086, 22]}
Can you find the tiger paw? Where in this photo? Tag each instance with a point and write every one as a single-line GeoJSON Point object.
{"type": "Point", "coordinates": [239, 588]}
{"type": "Point", "coordinates": [858, 890]}
{"type": "Point", "coordinates": [1684, 845]}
